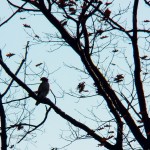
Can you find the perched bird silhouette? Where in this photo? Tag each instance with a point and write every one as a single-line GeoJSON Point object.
{"type": "Point", "coordinates": [43, 89]}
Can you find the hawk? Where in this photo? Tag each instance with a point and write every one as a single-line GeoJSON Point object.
{"type": "Point", "coordinates": [43, 89]}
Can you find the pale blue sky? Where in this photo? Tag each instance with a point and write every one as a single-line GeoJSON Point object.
{"type": "Point", "coordinates": [13, 39]}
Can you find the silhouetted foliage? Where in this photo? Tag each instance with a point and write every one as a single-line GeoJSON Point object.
{"type": "Point", "coordinates": [112, 42]}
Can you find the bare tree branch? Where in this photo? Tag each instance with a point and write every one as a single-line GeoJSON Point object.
{"type": "Point", "coordinates": [3, 126]}
{"type": "Point", "coordinates": [18, 10]}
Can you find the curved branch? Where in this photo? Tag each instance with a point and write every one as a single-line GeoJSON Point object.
{"type": "Point", "coordinates": [22, 62]}
{"type": "Point", "coordinates": [35, 127]}
{"type": "Point", "coordinates": [57, 110]}
{"type": "Point", "coordinates": [19, 9]}
{"type": "Point", "coordinates": [3, 126]}
{"type": "Point", "coordinates": [108, 94]}
{"type": "Point", "coordinates": [16, 6]}
{"type": "Point", "coordinates": [137, 73]}
{"type": "Point", "coordinates": [147, 2]}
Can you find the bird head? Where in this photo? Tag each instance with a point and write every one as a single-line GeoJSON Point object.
{"type": "Point", "coordinates": [44, 79]}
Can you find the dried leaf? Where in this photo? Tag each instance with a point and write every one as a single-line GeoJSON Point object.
{"type": "Point", "coordinates": [38, 64]}
{"type": "Point", "coordinates": [119, 78]}
{"type": "Point", "coordinates": [12, 146]}
{"type": "Point", "coordinates": [107, 125]}
{"type": "Point", "coordinates": [72, 10]}
{"type": "Point", "coordinates": [10, 55]}
{"type": "Point", "coordinates": [103, 37]}
{"type": "Point", "coordinates": [26, 26]}
{"type": "Point", "coordinates": [144, 57]}
{"type": "Point", "coordinates": [100, 31]}
{"type": "Point", "coordinates": [108, 3]}
{"type": "Point", "coordinates": [145, 73]}
{"type": "Point", "coordinates": [115, 50]}
{"type": "Point", "coordinates": [146, 20]}
{"type": "Point", "coordinates": [62, 3]}
{"type": "Point", "coordinates": [37, 36]}
{"type": "Point", "coordinates": [22, 18]}
{"type": "Point", "coordinates": [113, 64]}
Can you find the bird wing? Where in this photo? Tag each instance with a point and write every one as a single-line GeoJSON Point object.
{"type": "Point", "coordinates": [43, 89]}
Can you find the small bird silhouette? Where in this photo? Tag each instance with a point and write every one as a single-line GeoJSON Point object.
{"type": "Point", "coordinates": [43, 89]}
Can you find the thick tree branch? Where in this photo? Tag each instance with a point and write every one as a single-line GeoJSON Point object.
{"type": "Point", "coordinates": [137, 71]}
{"type": "Point", "coordinates": [147, 2]}
{"type": "Point", "coordinates": [88, 9]}
{"type": "Point", "coordinates": [102, 84]}
{"type": "Point", "coordinates": [65, 35]}
{"type": "Point", "coordinates": [3, 126]}
{"type": "Point", "coordinates": [56, 109]}
{"type": "Point", "coordinates": [97, 76]}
